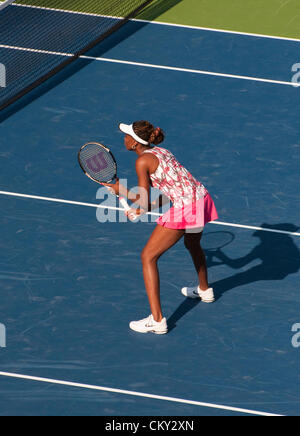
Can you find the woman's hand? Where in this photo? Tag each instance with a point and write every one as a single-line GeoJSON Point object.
{"type": "Point", "coordinates": [114, 188]}
{"type": "Point", "coordinates": [133, 213]}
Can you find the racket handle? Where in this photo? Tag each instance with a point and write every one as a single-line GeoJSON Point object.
{"type": "Point", "coordinates": [124, 203]}
{"type": "Point", "coordinates": [127, 207]}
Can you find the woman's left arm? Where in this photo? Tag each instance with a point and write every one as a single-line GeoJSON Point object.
{"type": "Point", "coordinates": [142, 198]}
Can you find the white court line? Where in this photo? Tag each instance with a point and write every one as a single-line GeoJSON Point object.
{"type": "Point", "coordinates": [136, 394]}
{"type": "Point", "coordinates": [193, 71]}
{"type": "Point", "coordinates": [211, 29]}
{"type": "Point", "coordinates": [159, 67]}
{"type": "Point", "coordinates": [78, 203]}
{"type": "Point", "coordinates": [34, 50]}
{"type": "Point", "coordinates": [57, 200]}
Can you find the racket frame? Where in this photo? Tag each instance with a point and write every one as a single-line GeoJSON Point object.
{"type": "Point", "coordinates": [121, 199]}
{"type": "Point", "coordinates": [111, 155]}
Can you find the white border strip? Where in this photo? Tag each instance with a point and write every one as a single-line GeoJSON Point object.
{"type": "Point", "coordinates": [136, 394]}
{"type": "Point", "coordinates": [163, 23]}
{"type": "Point", "coordinates": [211, 29]}
{"type": "Point", "coordinates": [77, 203]}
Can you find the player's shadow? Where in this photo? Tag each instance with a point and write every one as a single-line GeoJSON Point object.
{"type": "Point", "coordinates": [277, 253]}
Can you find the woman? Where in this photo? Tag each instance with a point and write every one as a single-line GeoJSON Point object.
{"type": "Point", "coordinates": [192, 208]}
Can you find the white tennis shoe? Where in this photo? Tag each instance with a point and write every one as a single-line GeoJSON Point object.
{"type": "Point", "coordinates": [148, 325]}
{"type": "Point", "coordinates": [195, 292]}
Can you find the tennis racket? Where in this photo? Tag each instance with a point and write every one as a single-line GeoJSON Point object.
{"type": "Point", "coordinates": [99, 164]}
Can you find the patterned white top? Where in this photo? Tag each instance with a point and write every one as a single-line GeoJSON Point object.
{"type": "Point", "coordinates": [174, 181]}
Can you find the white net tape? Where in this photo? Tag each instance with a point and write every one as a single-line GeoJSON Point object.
{"type": "Point", "coordinates": [5, 4]}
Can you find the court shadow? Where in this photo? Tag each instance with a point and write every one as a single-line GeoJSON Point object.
{"type": "Point", "coordinates": [157, 8]}
{"type": "Point", "coordinates": [185, 307]}
{"type": "Point", "coordinates": [278, 254]}
{"type": "Point", "coordinates": [50, 81]}
{"type": "Point", "coordinates": [279, 257]}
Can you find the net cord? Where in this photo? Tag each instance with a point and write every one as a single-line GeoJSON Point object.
{"type": "Point", "coordinates": [6, 3]}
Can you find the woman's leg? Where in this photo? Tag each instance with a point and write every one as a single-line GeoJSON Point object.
{"type": "Point", "coordinates": [192, 242]}
{"type": "Point", "coordinates": [160, 241]}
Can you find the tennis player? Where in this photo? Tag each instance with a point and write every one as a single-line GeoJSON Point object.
{"type": "Point", "coordinates": [192, 209]}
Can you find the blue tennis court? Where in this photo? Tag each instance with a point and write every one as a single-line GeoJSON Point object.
{"type": "Point", "coordinates": [71, 285]}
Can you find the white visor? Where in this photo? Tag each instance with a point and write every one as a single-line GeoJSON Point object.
{"type": "Point", "coordinates": [128, 129]}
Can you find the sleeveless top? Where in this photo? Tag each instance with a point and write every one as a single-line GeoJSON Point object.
{"type": "Point", "coordinates": [174, 181]}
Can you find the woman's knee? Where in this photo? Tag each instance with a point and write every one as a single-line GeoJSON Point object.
{"type": "Point", "coordinates": [148, 256]}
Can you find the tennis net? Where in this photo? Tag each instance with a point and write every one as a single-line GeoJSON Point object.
{"type": "Point", "coordinates": [38, 38]}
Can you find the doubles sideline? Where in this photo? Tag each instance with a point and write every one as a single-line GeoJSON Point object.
{"type": "Point", "coordinates": [78, 203]}
{"type": "Point", "coordinates": [155, 66]}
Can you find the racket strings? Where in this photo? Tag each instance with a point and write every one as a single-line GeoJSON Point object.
{"type": "Point", "coordinates": [98, 163]}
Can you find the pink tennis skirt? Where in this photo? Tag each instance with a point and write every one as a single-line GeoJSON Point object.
{"type": "Point", "coordinates": [192, 216]}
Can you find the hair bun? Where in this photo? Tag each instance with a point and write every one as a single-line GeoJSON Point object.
{"type": "Point", "coordinates": [148, 132]}
{"type": "Point", "coordinates": [159, 136]}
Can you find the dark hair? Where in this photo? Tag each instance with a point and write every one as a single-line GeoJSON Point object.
{"type": "Point", "coordinates": [148, 132]}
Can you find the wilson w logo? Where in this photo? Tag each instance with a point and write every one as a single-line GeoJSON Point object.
{"type": "Point", "coordinates": [2, 76]}
{"type": "Point", "coordinates": [97, 163]}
